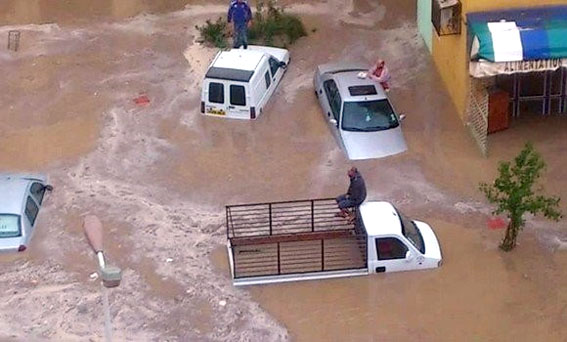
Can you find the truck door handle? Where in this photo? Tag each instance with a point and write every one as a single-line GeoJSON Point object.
{"type": "Point", "coordinates": [328, 114]}
{"type": "Point", "coordinates": [380, 269]}
{"type": "Point", "coordinates": [231, 107]}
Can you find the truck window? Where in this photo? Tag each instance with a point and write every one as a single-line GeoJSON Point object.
{"type": "Point", "coordinates": [412, 233]}
{"type": "Point", "coordinates": [216, 92]}
{"type": "Point", "coordinates": [237, 95]}
{"type": "Point", "coordinates": [390, 248]}
{"type": "Point", "coordinates": [268, 79]}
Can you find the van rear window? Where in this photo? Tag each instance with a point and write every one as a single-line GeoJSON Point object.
{"type": "Point", "coordinates": [237, 95]}
{"type": "Point", "coordinates": [216, 92]}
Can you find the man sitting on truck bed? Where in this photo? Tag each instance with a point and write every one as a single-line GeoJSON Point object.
{"type": "Point", "coordinates": [354, 197]}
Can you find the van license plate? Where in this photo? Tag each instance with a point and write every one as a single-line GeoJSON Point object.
{"type": "Point", "coordinates": [216, 111]}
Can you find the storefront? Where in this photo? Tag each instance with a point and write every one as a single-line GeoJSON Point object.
{"type": "Point", "coordinates": [500, 62]}
{"type": "Point", "coordinates": [518, 61]}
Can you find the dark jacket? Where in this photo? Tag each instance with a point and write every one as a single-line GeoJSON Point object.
{"type": "Point", "coordinates": [357, 189]}
{"type": "Point", "coordinates": [240, 13]}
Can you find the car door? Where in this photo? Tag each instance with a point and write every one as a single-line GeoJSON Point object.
{"type": "Point", "coordinates": [276, 70]}
{"type": "Point", "coordinates": [31, 210]}
{"type": "Point", "coordinates": [239, 101]}
{"type": "Point", "coordinates": [393, 255]}
{"type": "Point", "coordinates": [215, 98]}
{"type": "Point", "coordinates": [334, 104]}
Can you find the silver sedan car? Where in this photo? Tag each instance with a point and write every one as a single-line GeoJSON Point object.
{"type": "Point", "coordinates": [20, 200]}
{"type": "Point", "coordinates": [358, 112]}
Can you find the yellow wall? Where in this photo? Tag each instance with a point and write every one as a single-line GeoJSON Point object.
{"type": "Point", "coordinates": [450, 52]}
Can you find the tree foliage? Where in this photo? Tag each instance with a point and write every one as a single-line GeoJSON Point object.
{"type": "Point", "coordinates": [513, 193]}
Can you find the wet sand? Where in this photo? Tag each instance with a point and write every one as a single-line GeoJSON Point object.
{"type": "Point", "coordinates": [159, 176]}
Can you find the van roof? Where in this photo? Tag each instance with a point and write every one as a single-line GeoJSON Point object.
{"type": "Point", "coordinates": [235, 65]}
{"type": "Point", "coordinates": [238, 59]}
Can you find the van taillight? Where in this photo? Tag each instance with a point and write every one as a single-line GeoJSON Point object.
{"type": "Point", "coordinates": [21, 248]}
{"type": "Point", "coordinates": [252, 112]}
{"type": "Point", "coordinates": [202, 107]}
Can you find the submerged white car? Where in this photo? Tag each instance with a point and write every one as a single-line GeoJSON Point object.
{"type": "Point", "coordinates": [358, 112]}
{"type": "Point", "coordinates": [21, 197]}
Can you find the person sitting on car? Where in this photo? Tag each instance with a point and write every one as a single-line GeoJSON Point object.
{"type": "Point", "coordinates": [355, 195]}
{"type": "Point", "coordinates": [379, 73]}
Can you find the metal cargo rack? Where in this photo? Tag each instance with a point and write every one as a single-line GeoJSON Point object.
{"type": "Point", "coordinates": [293, 237]}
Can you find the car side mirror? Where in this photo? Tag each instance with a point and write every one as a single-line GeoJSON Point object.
{"type": "Point", "coordinates": [48, 187]}
{"type": "Point", "coordinates": [334, 122]}
{"type": "Point", "coordinates": [282, 65]}
{"type": "Point", "coordinates": [409, 256]}
{"type": "Point", "coordinates": [402, 117]}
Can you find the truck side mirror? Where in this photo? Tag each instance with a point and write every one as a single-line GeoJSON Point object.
{"type": "Point", "coordinates": [333, 122]}
{"type": "Point", "coordinates": [282, 65]}
{"type": "Point", "coordinates": [402, 117]}
{"type": "Point", "coordinates": [409, 256]}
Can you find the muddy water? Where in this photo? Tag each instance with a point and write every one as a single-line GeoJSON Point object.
{"type": "Point", "coordinates": [62, 11]}
{"type": "Point", "coordinates": [160, 174]}
{"type": "Point", "coordinates": [478, 294]}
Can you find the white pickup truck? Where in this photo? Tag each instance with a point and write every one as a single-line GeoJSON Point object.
{"type": "Point", "coordinates": [304, 240]}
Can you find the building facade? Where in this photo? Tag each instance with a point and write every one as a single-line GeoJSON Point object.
{"type": "Point", "coordinates": [481, 45]}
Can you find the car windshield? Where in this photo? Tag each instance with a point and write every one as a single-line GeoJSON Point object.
{"type": "Point", "coordinates": [369, 116]}
{"type": "Point", "coordinates": [10, 226]}
{"type": "Point", "coordinates": [411, 232]}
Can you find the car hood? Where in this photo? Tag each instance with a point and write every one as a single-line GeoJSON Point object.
{"type": "Point", "coordinates": [432, 247]}
{"type": "Point", "coordinates": [368, 145]}
{"type": "Point", "coordinates": [280, 54]}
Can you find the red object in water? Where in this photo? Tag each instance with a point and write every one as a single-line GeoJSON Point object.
{"type": "Point", "coordinates": [142, 100]}
{"type": "Point", "coordinates": [495, 223]}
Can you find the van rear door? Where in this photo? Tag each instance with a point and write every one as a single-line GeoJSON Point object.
{"type": "Point", "coordinates": [239, 101]}
{"type": "Point", "coordinates": [215, 98]}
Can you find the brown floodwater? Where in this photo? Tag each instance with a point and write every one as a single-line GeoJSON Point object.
{"type": "Point", "coordinates": [64, 11]}
{"type": "Point", "coordinates": [478, 294]}
{"type": "Point", "coordinates": [68, 110]}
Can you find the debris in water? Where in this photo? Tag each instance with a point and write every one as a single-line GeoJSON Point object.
{"type": "Point", "coordinates": [495, 223]}
{"type": "Point", "coordinates": [142, 100]}
{"type": "Point", "coordinates": [222, 303]}
{"type": "Point", "coordinates": [93, 276]}
{"type": "Point", "coordinates": [169, 260]}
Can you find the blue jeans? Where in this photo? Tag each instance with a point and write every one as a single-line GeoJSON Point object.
{"type": "Point", "coordinates": [345, 202]}
{"type": "Point", "coordinates": [240, 37]}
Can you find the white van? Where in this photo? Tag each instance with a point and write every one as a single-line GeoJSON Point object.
{"type": "Point", "coordinates": [239, 82]}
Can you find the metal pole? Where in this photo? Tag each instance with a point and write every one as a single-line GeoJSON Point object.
{"type": "Point", "coordinates": [312, 215]}
{"type": "Point", "coordinates": [322, 254]}
{"type": "Point", "coordinates": [270, 216]}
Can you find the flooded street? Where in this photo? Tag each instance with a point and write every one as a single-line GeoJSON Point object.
{"type": "Point", "coordinates": [159, 175]}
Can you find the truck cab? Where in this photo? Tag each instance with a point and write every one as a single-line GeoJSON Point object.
{"type": "Point", "coordinates": [396, 243]}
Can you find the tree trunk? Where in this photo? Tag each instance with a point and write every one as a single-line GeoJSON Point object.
{"type": "Point", "coordinates": [509, 241]}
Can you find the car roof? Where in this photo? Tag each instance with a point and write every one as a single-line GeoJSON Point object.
{"type": "Point", "coordinates": [346, 79]}
{"type": "Point", "coordinates": [238, 59]}
{"type": "Point", "coordinates": [380, 218]}
{"type": "Point", "coordinates": [13, 189]}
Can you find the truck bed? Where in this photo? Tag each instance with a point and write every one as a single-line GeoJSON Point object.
{"type": "Point", "coordinates": [292, 238]}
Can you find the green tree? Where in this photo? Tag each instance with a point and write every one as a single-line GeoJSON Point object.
{"type": "Point", "coordinates": [513, 193]}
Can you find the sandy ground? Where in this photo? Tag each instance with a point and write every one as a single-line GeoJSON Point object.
{"type": "Point", "coordinates": [159, 175]}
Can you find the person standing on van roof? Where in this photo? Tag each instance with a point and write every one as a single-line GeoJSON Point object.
{"type": "Point", "coordinates": [354, 197]}
{"type": "Point", "coordinates": [240, 13]}
{"type": "Point", "coordinates": [379, 73]}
